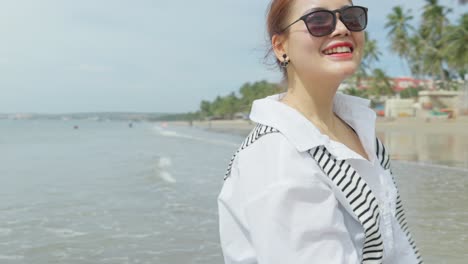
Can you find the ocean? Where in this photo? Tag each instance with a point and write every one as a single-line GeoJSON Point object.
{"type": "Point", "coordinates": [109, 193]}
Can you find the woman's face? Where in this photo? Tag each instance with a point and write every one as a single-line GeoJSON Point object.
{"type": "Point", "coordinates": [313, 57]}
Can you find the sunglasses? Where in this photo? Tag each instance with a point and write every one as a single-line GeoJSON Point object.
{"type": "Point", "coordinates": [320, 23]}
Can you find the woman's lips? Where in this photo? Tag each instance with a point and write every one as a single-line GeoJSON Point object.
{"type": "Point", "coordinates": [341, 55]}
{"type": "Point", "coordinates": [339, 50]}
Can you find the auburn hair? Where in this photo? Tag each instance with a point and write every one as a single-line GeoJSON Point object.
{"type": "Point", "coordinates": [277, 15]}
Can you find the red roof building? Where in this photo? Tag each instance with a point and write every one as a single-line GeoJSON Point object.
{"type": "Point", "coordinates": [401, 83]}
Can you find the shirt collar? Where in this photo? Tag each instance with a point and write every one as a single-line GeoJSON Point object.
{"type": "Point", "coordinates": [303, 134]}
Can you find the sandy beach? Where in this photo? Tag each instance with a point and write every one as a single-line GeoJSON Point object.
{"type": "Point", "coordinates": [436, 141]}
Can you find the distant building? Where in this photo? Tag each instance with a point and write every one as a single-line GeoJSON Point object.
{"type": "Point", "coordinates": [401, 83]}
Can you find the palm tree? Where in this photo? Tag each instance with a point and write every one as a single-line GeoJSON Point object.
{"type": "Point", "coordinates": [434, 19]}
{"type": "Point", "coordinates": [434, 23]}
{"type": "Point", "coordinates": [399, 26]}
{"type": "Point", "coordinates": [455, 46]}
{"type": "Point", "coordinates": [415, 55]}
{"type": "Point", "coordinates": [380, 84]}
{"type": "Point", "coordinates": [356, 92]}
{"type": "Point", "coordinates": [205, 109]}
{"type": "Point", "coordinates": [371, 53]}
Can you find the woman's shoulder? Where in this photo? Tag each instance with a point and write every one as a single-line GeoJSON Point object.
{"type": "Point", "coordinates": [268, 156]}
{"type": "Point", "coordinates": [265, 143]}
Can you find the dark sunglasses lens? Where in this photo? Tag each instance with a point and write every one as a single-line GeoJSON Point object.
{"type": "Point", "coordinates": [355, 18]}
{"type": "Point", "coordinates": [320, 23]}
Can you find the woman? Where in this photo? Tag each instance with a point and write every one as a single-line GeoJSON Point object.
{"type": "Point", "coordinates": [311, 183]}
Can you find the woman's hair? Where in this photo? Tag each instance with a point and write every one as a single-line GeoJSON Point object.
{"type": "Point", "coordinates": [278, 13]}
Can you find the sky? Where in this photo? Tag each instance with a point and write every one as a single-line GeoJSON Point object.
{"type": "Point", "coordinates": [68, 56]}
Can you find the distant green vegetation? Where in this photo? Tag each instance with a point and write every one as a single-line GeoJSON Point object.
{"type": "Point", "coordinates": [410, 92]}
{"type": "Point", "coordinates": [226, 107]}
{"type": "Point", "coordinates": [436, 50]}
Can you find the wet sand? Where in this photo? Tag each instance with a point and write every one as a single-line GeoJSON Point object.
{"type": "Point", "coordinates": [437, 141]}
{"type": "Point", "coordinates": [409, 125]}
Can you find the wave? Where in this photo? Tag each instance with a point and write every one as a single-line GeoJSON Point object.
{"type": "Point", "coordinates": [11, 257]}
{"type": "Point", "coordinates": [65, 232]}
{"type": "Point", "coordinates": [161, 165]}
{"type": "Point", "coordinates": [158, 170]}
{"type": "Point", "coordinates": [164, 162]}
{"type": "Point", "coordinates": [170, 133]}
{"type": "Point", "coordinates": [167, 177]}
{"type": "Point", "coordinates": [138, 236]}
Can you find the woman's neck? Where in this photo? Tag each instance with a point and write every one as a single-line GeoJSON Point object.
{"type": "Point", "coordinates": [315, 103]}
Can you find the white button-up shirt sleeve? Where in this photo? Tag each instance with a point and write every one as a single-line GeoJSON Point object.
{"type": "Point", "coordinates": [276, 209]}
{"type": "Point", "coordinates": [291, 223]}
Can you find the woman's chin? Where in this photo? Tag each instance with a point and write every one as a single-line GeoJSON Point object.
{"type": "Point", "coordinates": [344, 70]}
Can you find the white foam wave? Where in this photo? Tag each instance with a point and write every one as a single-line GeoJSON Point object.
{"type": "Point", "coordinates": [170, 133]}
{"type": "Point", "coordinates": [11, 257]}
{"type": "Point", "coordinates": [12, 222]}
{"type": "Point", "coordinates": [118, 259]}
{"type": "Point", "coordinates": [65, 232]}
{"type": "Point", "coordinates": [164, 162]}
{"type": "Point", "coordinates": [131, 236]}
{"type": "Point", "coordinates": [159, 170]}
{"type": "Point", "coordinates": [167, 177]}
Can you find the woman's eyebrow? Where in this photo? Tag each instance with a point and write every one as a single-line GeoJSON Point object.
{"type": "Point", "coordinates": [319, 8]}
{"type": "Point", "coordinates": [313, 9]}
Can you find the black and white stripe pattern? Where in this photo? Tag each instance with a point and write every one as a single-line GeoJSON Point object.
{"type": "Point", "coordinates": [360, 197]}
{"type": "Point", "coordinates": [258, 131]}
{"type": "Point", "coordinates": [384, 159]}
{"type": "Point", "coordinates": [382, 154]}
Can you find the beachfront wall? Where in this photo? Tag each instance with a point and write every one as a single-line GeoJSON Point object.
{"type": "Point", "coordinates": [439, 100]}
{"type": "Point", "coordinates": [420, 145]}
{"type": "Point", "coordinates": [400, 108]}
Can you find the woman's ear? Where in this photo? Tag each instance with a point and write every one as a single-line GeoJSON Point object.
{"type": "Point", "coordinates": [280, 46]}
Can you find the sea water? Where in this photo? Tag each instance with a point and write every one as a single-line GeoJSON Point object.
{"type": "Point", "coordinates": [106, 192]}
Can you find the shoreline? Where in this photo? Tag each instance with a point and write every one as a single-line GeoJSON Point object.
{"type": "Point", "coordinates": [435, 143]}
{"type": "Point", "coordinates": [400, 125]}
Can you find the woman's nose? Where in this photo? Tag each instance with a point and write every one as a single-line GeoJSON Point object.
{"type": "Point", "coordinates": [340, 28]}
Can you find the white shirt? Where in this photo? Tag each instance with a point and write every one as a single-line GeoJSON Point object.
{"type": "Point", "coordinates": [277, 206]}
